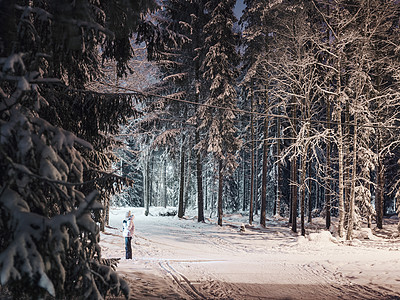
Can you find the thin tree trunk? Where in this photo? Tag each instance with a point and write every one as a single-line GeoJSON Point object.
{"type": "Point", "coordinates": [264, 177]}
{"type": "Point", "coordinates": [252, 160]}
{"type": "Point", "coordinates": [278, 167]}
{"type": "Point", "coordinates": [309, 183]}
{"type": "Point", "coordinates": [293, 166]}
{"type": "Point", "coordinates": [164, 183]}
{"type": "Point", "coordinates": [346, 161]}
{"type": "Point", "coordinates": [147, 182]}
{"type": "Point", "coordinates": [353, 186]}
{"type": "Point", "coordinates": [151, 179]}
{"type": "Point", "coordinates": [200, 198]}
{"type": "Point", "coordinates": [244, 181]}
{"type": "Point", "coordinates": [379, 186]}
{"type": "Point", "coordinates": [220, 190]}
{"type": "Point", "coordinates": [182, 184]}
{"type": "Point", "coordinates": [256, 198]}
{"type": "Point", "coordinates": [303, 189]}
{"type": "Point", "coordinates": [341, 175]}
{"type": "Point", "coordinates": [206, 183]}
{"type": "Point", "coordinates": [327, 171]}
{"type": "Point", "coordinates": [187, 181]}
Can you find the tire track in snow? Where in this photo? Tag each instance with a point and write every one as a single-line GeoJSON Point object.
{"type": "Point", "coordinates": [182, 281]}
{"type": "Point", "coordinates": [341, 286]}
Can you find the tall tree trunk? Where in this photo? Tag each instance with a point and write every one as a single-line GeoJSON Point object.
{"type": "Point", "coordinates": [341, 175]}
{"type": "Point", "coordinates": [278, 167]}
{"type": "Point", "coordinates": [187, 180]}
{"type": "Point", "coordinates": [346, 161]}
{"type": "Point", "coordinates": [309, 183]}
{"type": "Point", "coordinates": [264, 176]}
{"type": "Point", "coordinates": [252, 160]}
{"type": "Point", "coordinates": [256, 198]}
{"type": "Point", "coordinates": [328, 170]}
{"type": "Point", "coordinates": [264, 168]}
{"type": "Point", "coordinates": [244, 181]}
{"type": "Point", "coordinates": [220, 190]}
{"type": "Point", "coordinates": [353, 187]}
{"type": "Point", "coordinates": [206, 183]}
{"type": "Point", "coordinates": [379, 185]}
{"type": "Point", "coordinates": [164, 183]}
{"type": "Point", "coordinates": [303, 189]}
{"type": "Point", "coordinates": [182, 184]}
{"type": "Point", "coordinates": [147, 183]}
{"type": "Point", "coordinates": [151, 179]}
{"type": "Point", "coordinates": [200, 198]}
{"type": "Point", "coordinates": [293, 174]}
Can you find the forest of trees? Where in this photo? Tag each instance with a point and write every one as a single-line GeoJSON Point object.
{"type": "Point", "coordinates": [289, 111]}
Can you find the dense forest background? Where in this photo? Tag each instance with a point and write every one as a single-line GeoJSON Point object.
{"type": "Point", "coordinates": [290, 111]}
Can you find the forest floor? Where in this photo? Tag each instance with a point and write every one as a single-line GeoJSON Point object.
{"type": "Point", "coordinates": [182, 259]}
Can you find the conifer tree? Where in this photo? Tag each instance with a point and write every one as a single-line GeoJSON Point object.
{"type": "Point", "coordinates": [219, 67]}
{"type": "Point", "coordinates": [55, 142]}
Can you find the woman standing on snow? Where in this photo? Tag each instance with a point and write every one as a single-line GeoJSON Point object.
{"type": "Point", "coordinates": [128, 228]}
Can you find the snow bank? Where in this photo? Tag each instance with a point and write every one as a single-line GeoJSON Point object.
{"type": "Point", "coordinates": [320, 238]}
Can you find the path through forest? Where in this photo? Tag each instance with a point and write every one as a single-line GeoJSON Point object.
{"type": "Point", "coordinates": [182, 259]}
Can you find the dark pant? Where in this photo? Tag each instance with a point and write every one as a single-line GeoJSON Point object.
{"type": "Point", "coordinates": [128, 247]}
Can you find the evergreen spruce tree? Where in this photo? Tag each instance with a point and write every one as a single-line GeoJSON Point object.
{"type": "Point", "coordinates": [55, 140]}
{"type": "Point", "coordinates": [219, 71]}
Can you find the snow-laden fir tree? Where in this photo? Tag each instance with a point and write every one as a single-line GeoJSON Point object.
{"type": "Point", "coordinates": [219, 72]}
{"type": "Point", "coordinates": [172, 123]}
{"type": "Point", "coordinates": [55, 143]}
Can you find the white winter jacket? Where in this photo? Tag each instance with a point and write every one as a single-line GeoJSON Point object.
{"type": "Point", "coordinates": [128, 228]}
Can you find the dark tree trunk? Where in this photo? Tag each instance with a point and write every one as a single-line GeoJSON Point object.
{"type": "Point", "coordinates": [293, 166]}
{"type": "Point", "coordinates": [264, 177]}
{"type": "Point", "coordinates": [279, 171]}
{"type": "Point", "coordinates": [252, 161]}
{"type": "Point", "coordinates": [303, 191]}
{"type": "Point", "coordinates": [200, 197]}
{"type": "Point", "coordinates": [182, 185]}
{"type": "Point", "coordinates": [147, 184]}
{"type": "Point", "coordinates": [244, 181]}
{"type": "Point", "coordinates": [220, 190]}
{"type": "Point", "coordinates": [8, 30]}
{"type": "Point", "coordinates": [379, 187]}
{"type": "Point", "coordinates": [309, 183]}
{"type": "Point", "coordinates": [164, 183]}
{"type": "Point", "coordinates": [328, 171]}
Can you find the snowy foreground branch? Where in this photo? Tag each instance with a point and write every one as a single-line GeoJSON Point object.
{"type": "Point", "coordinates": [49, 238]}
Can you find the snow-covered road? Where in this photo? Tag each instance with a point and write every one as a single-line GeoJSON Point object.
{"type": "Point", "coordinates": [185, 259]}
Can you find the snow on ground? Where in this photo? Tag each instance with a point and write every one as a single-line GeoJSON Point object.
{"type": "Point", "coordinates": [182, 259]}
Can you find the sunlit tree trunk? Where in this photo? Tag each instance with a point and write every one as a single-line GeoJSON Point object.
{"type": "Point", "coordinates": [264, 176]}
{"type": "Point", "coordinates": [303, 188]}
{"type": "Point", "coordinates": [264, 167]}
{"type": "Point", "coordinates": [244, 180]}
{"type": "Point", "coordinates": [353, 186]}
{"type": "Point", "coordinates": [328, 170]}
{"type": "Point", "coordinates": [379, 185]}
{"type": "Point", "coordinates": [341, 175]}
{"type": "Point", "coordinates": [346, 161]}
{"type": "Point", "coordinates": [252, 159]}
{"type": "Point", "coordinates": [279, 171]}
